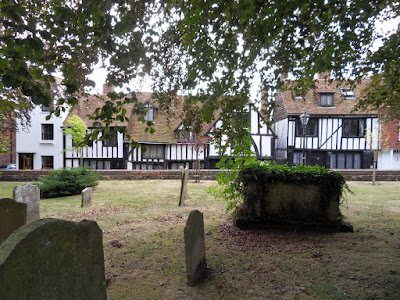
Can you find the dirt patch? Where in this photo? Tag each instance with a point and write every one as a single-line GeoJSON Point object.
{"type": "Point", "coordinates": [262, 240]}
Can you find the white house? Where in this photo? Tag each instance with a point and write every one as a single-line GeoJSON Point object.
{"type": "Point", "coordinates": [40, 146]}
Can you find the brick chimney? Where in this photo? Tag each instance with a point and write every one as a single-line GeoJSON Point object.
{"type": "Point", "coordinates": [324, 75]}
{"type": "Point", "coordinates": [108, 88]}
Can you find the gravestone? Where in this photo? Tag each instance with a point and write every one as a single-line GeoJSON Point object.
{"type": "Point", "coordinates": [29, 194]}
{"type": "Point", "coordinates": [86, 197]}
{"type": "Point", "coordinates": [195, 248]}
{"type": "Point", "coordinates": [53, 259]}
{"type": "Point", "coordinates": [184, 180]}
{"type": "Point", "coordinates": [12, 217]}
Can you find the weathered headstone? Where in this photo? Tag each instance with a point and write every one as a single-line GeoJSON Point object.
{"type": "Point", "coordinates": [53, 259]}
{"type": "Point", "coordinates": [12, 217]}
{"type": "Point", "coordinates": [86, 197]}
{"type": "Point", "coordinates": [184, 180]}
{"type": "Point", "coordinates": [195, 248]}
{"type": "Point", "coordinates": [29, 194]}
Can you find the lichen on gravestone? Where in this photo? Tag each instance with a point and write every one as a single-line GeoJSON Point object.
{"type": "Point", "coordinates": [53, 259]}
{"type": "Point", "coordinates": [29, 194]}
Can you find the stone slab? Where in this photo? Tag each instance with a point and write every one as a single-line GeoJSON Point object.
{"type": "Point", "coordinates": [29, 194]}
{"type": "Point", "coordinates": [86, 197]}
{"type": "Point", "coordinates": [12, 216]}
{"type": "Point", "coordinates": [195, 248]}
{"type": "Point", "coordinates": [184, 180]}
{"type": "Point", "coordinates": [53, 259]}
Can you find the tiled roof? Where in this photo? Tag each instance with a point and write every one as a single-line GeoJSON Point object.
{"type": "Point", "coordinates": [287, 104]}
{"type": "Point", "coordinates": [165, 123]}
{"type": "Point", "coordinates": [87, 106]}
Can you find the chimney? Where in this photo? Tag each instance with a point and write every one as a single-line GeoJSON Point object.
{"type": "Point", "coordinates": [108, 88]}
{"type": "Point", "coordinates": [324, 75]}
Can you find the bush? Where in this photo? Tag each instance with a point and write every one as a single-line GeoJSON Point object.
{"type": "Point", "coordinates": [66, 182]}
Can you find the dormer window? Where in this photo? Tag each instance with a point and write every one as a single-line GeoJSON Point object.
{"type": "Point", "coordinates": [326, 99]}
{"type": "Point", "coordinates": [150, 114]}
{"type": "Point", "coordinates": [186, 136]}
{"type": "Point", "coordinates": [347, 93]}
{"type": "Point", "coordinates": [298, 94]}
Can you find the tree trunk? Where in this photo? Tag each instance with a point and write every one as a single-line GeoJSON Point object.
{"type": "Point", "coordinates": [81, 158]}
{"type": "Point", "coordinates": [374, 167]}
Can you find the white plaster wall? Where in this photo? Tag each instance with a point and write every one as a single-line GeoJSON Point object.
{"type": "Point", "coordinates": [389, 160]}
{"type": "Point", "coordinates": [29, 140]}
{"type": "Point", "coordinates": [97, 150]}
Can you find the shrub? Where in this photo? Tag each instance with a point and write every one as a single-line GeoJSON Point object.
{"type": "Point", "coordinates": [66, 182]}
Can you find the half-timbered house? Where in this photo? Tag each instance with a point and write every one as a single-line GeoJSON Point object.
{"type": "Point", "coordinates": [335, 136]}
{"type": "Point", "coordinates": [262, 138]}
{"type": "Point", "coordinates": [169, 147]}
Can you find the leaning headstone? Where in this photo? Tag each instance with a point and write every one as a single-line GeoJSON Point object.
{"type": "Point", "coordinates": [195, 248]}
{"type": "Point", "coordinates": [53, 259]}
{"type": "Point", "coordinates": [29, 194]}
{"type": "Point", "coordinates": [12, 217]}
{"type": "Point", "coordinates": [86, 197]}
{"type": "Point", "coordinates": [184, 180]}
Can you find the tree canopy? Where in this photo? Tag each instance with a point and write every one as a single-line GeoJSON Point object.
{"type": "Point", "coordinates": [78, 130]}
{"type": "Point", "coordinates": [208, 51]}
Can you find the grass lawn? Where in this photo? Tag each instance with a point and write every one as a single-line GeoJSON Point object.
{"type": "Point", "coordinates": [144, 217]}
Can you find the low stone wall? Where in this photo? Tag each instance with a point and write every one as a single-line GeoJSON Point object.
{"type": "Point", "coordinates": [33, 175]}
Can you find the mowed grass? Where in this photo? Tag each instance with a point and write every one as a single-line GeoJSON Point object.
{"type": "Point", "coordinates": [143, 218]}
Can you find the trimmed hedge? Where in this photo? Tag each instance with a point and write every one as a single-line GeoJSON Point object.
{"type": "Point", "coordinates": [66, 182]}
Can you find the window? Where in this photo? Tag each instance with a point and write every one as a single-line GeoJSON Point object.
{"type": "Point", "coordinates": [326, 99]}
{"type": "Point", "coordinates": [297, 158]}
{"type": "Point", "coordinates": [47, 162]}
{"type": "Point", "coordinates": [110, 138]}
{"type": "Point", "coordinates": [153, 151]}
{"type": "Point", "coordinates": [347, 93]}
{"type": "Point", "coordinates": [399, 131]}
{"type": "Point", "coordinates": [151, 114]}
{"type": "Point", "coordinates": [47, 131]}
{"type": "Point", "coordinates": [353, 127]}
{"type": "Point", "coordinates": [343, 160]}
{"type": "Point", "coordinates": [186, 136]}
{"type": "Point", "coordinates": [311, 129]}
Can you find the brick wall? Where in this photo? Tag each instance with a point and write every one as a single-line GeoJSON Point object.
{"type": "Point", "coordinates": [10, 156]}
{"type": "Point", "coordinates": [390, 134]}
{"type": "Point", "coordinates": [33, 175]}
